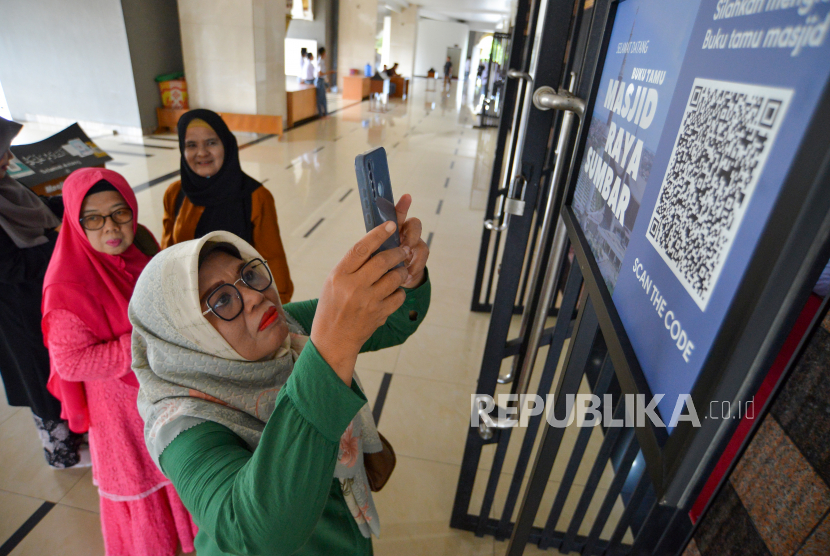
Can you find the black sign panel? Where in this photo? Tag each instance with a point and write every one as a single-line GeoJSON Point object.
{"type": "Point", "coordinates": [54, 158]}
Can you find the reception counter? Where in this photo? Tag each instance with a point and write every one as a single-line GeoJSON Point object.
{"type": "Point", "coordinates": [301, 101]}
{"type": "Point", "coordinates": [355, 87]}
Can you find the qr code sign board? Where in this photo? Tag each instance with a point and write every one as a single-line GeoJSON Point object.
{"type": "Point", "coordinates": [721, 147]}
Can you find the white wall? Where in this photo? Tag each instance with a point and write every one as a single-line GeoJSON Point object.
{"type": "Point", "coordinates": [294, 62]}
{"type": "Point", "coordinates": [4, 106]}
{"type": "Point", "coordinates": [433, 39]}
{"type": "Point", "coordinates": [68, 61]}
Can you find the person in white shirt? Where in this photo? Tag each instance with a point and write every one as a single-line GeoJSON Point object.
{"type": "Point", "coordinates": [309, 70]}
{"type": "Point", "coordinates": [320, 75]}
{"type": "Point", "coordinates": [303, 60]}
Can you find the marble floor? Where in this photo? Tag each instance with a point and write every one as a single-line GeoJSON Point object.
{"type": "Point", "coordinates": [433, 150]}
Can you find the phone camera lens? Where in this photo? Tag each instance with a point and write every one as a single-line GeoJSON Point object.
{"type": "Point", "coordinates": [369, 165]}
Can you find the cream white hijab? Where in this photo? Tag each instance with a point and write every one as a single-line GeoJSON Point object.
{"type": "Point", "coordinates": [189, 374]}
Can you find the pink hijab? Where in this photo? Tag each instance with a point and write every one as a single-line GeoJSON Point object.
{"type": "Point", "coordinates": [94, 286]}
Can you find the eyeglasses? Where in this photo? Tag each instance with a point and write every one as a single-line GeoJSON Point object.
{"type": "Point", "coordinates": [96, 221]}
{"type": "Point", "coordinates": [226, 302]}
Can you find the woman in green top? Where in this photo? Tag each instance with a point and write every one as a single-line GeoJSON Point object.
{"type": "Point", "coordinates": [260, 427]}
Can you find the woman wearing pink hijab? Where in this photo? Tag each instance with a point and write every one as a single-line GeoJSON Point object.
{"type": "Point", "coordinates": [100, 252]}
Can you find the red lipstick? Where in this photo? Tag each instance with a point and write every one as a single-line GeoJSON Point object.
{"type": "Point", "coordinates": [268, 318]}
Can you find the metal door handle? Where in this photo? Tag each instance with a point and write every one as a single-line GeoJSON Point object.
{"type": "Point", "coordinates": [574, 107]}
{"type": "Point", "coordinates": [546, 98]}
{"type": "Point", "coordinates": [565, 131]}
{"type": "Point", "coordinates": [518, 74]}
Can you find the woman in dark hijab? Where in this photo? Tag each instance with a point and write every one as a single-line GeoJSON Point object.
{"type": "Point", "coordinates": [214, 194]}
{"type": "Point", "coordinates": [27, 239]}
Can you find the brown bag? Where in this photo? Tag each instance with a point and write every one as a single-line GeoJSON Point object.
{"type": "Point", "coordinates": [379, 466]}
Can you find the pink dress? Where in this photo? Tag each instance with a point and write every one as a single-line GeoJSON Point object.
{"type": "Point", "coordinates": [141, 514]}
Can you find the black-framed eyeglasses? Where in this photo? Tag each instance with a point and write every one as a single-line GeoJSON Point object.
{"type": "Point", "coordinates": [96, 221]}
{"type": "Point", "coordinates": [225, 301]}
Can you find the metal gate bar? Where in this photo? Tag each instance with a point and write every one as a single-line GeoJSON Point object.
{"type": "Point", "coordinates": [532, 246]}
{"type": "Point", "coordinates": [493, 481]}
{"type": "Point", "coordinates": [626, 519]}
{"type": "Point", "coordinates": [547, 66]}
{"type": "Point", "coordinates": [514, 98]}
{"type": "Point", "coordinates": [584, 435]}
{"type": "Point", "coordinates": [613, 492]}
{"type": "Point", "coordinates": [575, 55]}
{"type": "Point", "coordinates": [659, 518]}
{"type": "Point", "coordinates": [586, 335]}
{"type": "Point", "coordinates": [562, 331]}
{"type": "Point", "coordinates": [614, 436]}
{"type": "Point", "coordinates": [626, 366]}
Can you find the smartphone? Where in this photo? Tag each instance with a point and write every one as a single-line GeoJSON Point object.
{"type": "Point", "coordinates": [375, 189]}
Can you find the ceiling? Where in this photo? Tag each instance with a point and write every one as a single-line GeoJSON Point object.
{"type": "Point", "coordinates": [479, 13]}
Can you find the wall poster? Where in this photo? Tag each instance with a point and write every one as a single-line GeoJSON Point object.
{"type": "Point", "coordinates": [701, 109]}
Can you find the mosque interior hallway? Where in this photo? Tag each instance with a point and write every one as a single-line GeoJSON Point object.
{"type": "Point", "coordinates": [422, 388]}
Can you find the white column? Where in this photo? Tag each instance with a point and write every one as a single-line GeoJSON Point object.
{"type": "Point", "coordinates": [269, 52]}
{"type": "Point", "coordinates": [357, 29]}
{"type": "Point", "coordinates": [404, 36]}
{"type": "Point", "coordinates": [387, 42]}
{"type": "Point", "coordinates": [233, 55]}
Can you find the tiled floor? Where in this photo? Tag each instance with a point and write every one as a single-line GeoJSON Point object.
{"type": "Point", "coordinates": [436, 155]}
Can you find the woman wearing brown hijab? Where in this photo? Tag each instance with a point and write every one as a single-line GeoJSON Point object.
{"type": "Point", "coordinates": [215, 194]}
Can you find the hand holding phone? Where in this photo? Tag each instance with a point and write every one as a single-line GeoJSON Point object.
{"type": "Point", "coordinates": [357, 297]}
{"type": "Point", "coordinates": [374, 186]}
{"type": "Point", "coordinates": [375, 189]}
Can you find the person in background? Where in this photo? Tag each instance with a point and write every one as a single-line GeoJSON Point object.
{"type": "Point", "coordinates": [253, 409]}
{"type": "Point", "coordinates": [448, 73]}
{"type": "Point", "coordinates": [467, 69]}
{"type": "Point", "coordinates": [303, 61]}
{"type": "Point", "coordinates": [215, 194]}
{"type": "Point", "coordinates": [309, 69]}
{"type": "Point", "coordinates": [101, 251]}
{"type": "Point", "coordinates": [385, 74]}
{"type": "Point", "coordinates": [27, 239]}
{"type": "Point", "coordinates": [320, 75]}
{"type": "Point", "coordinates": [393, 71]}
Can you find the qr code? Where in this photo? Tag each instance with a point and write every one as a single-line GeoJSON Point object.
{"type": "Point", "coordinates": [721, 147]}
